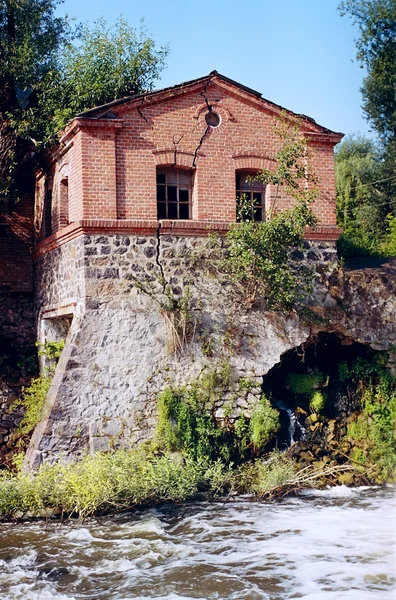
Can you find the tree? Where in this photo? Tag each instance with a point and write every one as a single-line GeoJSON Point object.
{"type": "Point", "coordinates": [375, 207]}
{"type": "Point", "coordinates": [30, 37]}
{"type": "Point", "coordinates": [258, 253]}
{"type": "Point", "coordinates": [364, 210]}
{"type": "Point", "coordinates": [50, 71]}
{"type": "Point", "coordinates": [107, 63]}
{"type": "Point", "coordinates": [359, 202]}
{"type": "Point", "coordinates": [376, 50]}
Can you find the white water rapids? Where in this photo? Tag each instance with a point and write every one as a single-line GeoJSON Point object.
{"type": "Point", "coordinates": [331, 545]}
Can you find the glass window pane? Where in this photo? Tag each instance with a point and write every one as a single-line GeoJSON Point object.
{"type": "Point", "coordinates": [172, 210]}
{"type": "Point", "coordinates": [172, 193]}
{"type": "Point", "coordinates": [183, 195]}
{"type": "Point", "coordinates": [257, 199]}
{"type": "Point", "coordinates": [161, 210]}
{"type": "Point", "coordinates": [160, 177]}
{"type": "Point", "coordinates": [184, 177]}
{"type": "Point", "coordinates": [258, 214]}
{"type": "Point", "coordinates": [171, 176]}
{"type": "Point", "coordinates": [183, 211]}
{"type": "Point", "coordinates": [160, 193]}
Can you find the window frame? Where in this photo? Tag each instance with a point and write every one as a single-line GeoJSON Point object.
{"type": "Point", "coordinates": [250, 189]}
{"type": "Point", "coordinates": [180, 185]}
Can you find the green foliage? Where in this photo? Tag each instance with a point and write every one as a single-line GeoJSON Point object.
{"type": "Point", "coordinates": [387, 246]}
{"type": "Point", "coordinates": [304, 383]}
{"type": "Point", "coordinates": [109, 62]}
{"type": "Point", "coordinates": [51, 350]}
{"type": "Point", "coordinates": [272, 474]}
{"type": "Point", "coordinates": [184, 424]}
{"type": "Point", "coordinates": [293, 169]}
{"type": "Point", "coordinates": [264, 423]}
{"type": "Point", "coordinates": [376, 50]}
{"type": "Point", "coordinates": [364, 206]}
{"type": "Point", "coordinates": [33, 397]}
{"type": "Point", "coordinates": [33, 400]}
{"type": "Point", "coordinates": [257, 260]}
{"type": "Point", "coordinates": [365, 370]}
{"type": "Point", "coordinates": [122, 480]}
{"type": "Point", "coordinates": [357, 167]}
{"type": "Point", "coordinates": [110, 482]}
{"type": "Point", "coordinates": [257, 253]}
{"type": "Point", "coordinates": [187, 422]}
{"type": "Point", "coordinates": [374, 432]}
{"type": "Point", "coordinates": [51, 71]}
{"type": "Point", "coordinates": [317, 402]}
{"type": "Point", "coordinates": [30, 37]}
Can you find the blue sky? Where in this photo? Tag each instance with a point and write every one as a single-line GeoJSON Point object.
{"type": "Point", "coordinates": [297, 53]}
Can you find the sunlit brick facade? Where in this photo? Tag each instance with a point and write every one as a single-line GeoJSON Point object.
{"type": "Point", "coordinates": [171, 159]}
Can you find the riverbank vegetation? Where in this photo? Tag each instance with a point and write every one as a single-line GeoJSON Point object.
{"type": "Point", "coordinates": [118, 481]}
{"type": "Point", "coordinates": [346, 411]}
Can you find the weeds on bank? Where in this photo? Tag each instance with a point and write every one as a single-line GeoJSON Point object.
{"type": "Point", "coordinates": [109, 483]}
{"type": "Point", "coordinates": [33, 397]}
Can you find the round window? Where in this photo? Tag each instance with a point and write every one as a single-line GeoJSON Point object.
{"type": "Point", "coordinates": [212, 119]}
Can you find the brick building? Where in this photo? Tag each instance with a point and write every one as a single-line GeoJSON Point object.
{"type": "Point", "coordinates": [122, 213]}
{"type": "Point", "coordinates": [175, 158]}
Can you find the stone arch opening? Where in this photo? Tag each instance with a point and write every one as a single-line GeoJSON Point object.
{"type": "Point", "coordinates": [312, 373]}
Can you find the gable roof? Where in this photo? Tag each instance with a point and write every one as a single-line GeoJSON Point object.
{"type": "Point", "coordinates": [105, 109]}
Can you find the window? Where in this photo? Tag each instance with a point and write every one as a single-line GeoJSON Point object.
{"type": "Point", "coordinates": [212, 119]}
{"type": "Point", "coordinates": [64, 202]}
{"type": "Point", "coordinates": [48, 213]}
{"type": "Point", "coordinates": [254, 191]}
{"type": "Point", "coordinates": [174, 187]}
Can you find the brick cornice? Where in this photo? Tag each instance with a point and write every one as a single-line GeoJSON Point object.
{"type": "Point", "coordinates": [153, 228]}
{"type": "Point", "coordinates": [80, 123]}
{"type": "Point", "coordinates": [132, 227]}
{"type": "Point", "coordinates": [323, 233]}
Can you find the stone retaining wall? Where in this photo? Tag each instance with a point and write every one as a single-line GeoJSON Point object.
{"type": "Point", "coordinates": [120, 351]}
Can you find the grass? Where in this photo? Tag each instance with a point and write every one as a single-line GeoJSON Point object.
{"type": "Point", "coordinates": [110, 483]}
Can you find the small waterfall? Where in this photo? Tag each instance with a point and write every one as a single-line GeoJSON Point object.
{"type": "Point", "coordinates": [291, 431]}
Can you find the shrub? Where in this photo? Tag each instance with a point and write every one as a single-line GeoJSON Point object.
{"type": "Point", "coordinates": [304, 383]}
{"type": "Point", "coordinates": [110, 482]}
{"type": "Point", "coordinates": [264, 423]}
{"type": "Point", "coordinates": [265, 475]}
{"type": "Point", "coordinates": [317, 402]}
{"type": "Point", "coordinates": [33, 400]}
{"type": "Point", "coordinates": [374, 432]}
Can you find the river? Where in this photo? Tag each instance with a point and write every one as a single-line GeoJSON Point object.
{"type": "Point", "coordinates": [330, 545]}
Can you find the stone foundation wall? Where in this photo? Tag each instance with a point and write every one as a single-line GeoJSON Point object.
{"type": "Point", "coordinates": [121, 352]}
{"type": "Point", "coordinates": [60, 277]}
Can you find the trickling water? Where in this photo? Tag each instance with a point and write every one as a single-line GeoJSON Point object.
{"type": "Point", "coordinates": [295, 431]}
{"type": "Point", "coordinates": [337, 544]}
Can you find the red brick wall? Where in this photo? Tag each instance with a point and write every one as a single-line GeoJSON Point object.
{"type": "Point", "coordinates": [113, 161]}
{"type": "Point", "coordinates": [16, 239]}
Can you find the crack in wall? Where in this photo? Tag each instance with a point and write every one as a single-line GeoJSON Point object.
{"type": "Point", "coordinates": [139, 109]}
{"type": "Point", "coordinates": [175, 144]}
{"type": "Point", "coordinates": [157, 260]}
{"type": "Point", "coordinates": [203, 94]}
{"type": "Point", "coordinates": [201, 141]}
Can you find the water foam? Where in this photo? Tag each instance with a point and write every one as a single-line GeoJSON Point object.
{"type": "Point", "coordinates": [327, 545]}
